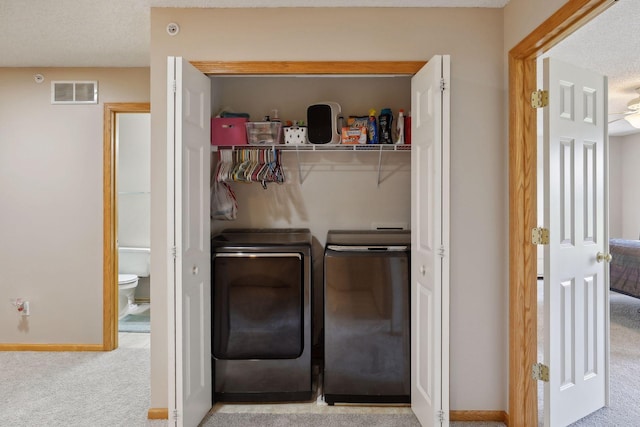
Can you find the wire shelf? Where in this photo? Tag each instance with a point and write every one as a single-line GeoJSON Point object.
{"type": "Point", "coordinates": [319, 147]}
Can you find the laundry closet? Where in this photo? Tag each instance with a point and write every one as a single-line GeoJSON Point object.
{"type": "Point", "coordinates": [327, 187]}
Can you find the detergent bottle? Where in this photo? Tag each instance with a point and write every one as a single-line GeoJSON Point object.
{"type": "Point", "coordinates": [372, 127]}
{"type": "Point", "coordinates": [385, 121]}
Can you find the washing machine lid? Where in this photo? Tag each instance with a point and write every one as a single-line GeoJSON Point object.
{"type": "Point", "coordinates": [124, 279]}
{"type": "Point", "coordinates": [380, 238]}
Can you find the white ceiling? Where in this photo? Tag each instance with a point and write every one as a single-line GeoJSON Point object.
{"type": "Point", "coordinates": [115, 33]}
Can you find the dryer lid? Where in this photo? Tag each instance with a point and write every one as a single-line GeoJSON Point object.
{"type": "Point", "coordinates": [376, 238]}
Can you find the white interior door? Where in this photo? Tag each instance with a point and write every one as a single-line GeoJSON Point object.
{"type": "Point", "coordinates": [575, 283]}
{"type": "Point", "coordinates": [189, 112]}
{"type": "Point", "coordinates": [430, 95]}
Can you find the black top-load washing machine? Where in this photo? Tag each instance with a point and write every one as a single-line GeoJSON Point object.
{"type": "Point", "coordinates": [367, 333]}
{"type": "Point", "coordinates": [261, 315]}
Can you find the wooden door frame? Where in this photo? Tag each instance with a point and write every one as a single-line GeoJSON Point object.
{"type": "Point", "coordinates": [523, 393]}
{"type": "Point", "coordinates": [110, 232]}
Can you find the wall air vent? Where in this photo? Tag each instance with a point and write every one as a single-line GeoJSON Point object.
{"type": "Point", "coordinates": [68, 92]}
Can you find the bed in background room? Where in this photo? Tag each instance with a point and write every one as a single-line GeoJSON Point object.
{"type": "Point", "coordinates": [624, 270]}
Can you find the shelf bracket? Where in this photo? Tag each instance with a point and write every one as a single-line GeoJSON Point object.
{"type": "Point", "coordinates": [299, 167]}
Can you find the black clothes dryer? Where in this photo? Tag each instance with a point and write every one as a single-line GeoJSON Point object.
{"type": "Point", "coordinates": [367, 333]}
{"type": "Point", "coordinates": [261, 315]}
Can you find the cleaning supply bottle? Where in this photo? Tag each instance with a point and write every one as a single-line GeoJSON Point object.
{"type": "Point", "coordinates": [400, 128]}
{"type": "Point", "coordinates": [372, 127]}
{"type": "Point", "coordinates": [385, 121]}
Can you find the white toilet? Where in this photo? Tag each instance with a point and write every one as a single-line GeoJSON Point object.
{"type": "Point", "coordinates": [132, 264]}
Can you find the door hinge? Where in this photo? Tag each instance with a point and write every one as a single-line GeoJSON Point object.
{"type": "Point", "coordinates": [173, 86]}
{"type": "Point", "coordinates": [173, 251]}
{"type": "Point", "coordinates": [540, 372]}
{"type": "Point", "coordinates": [441, 252]}
{"type": "Point", "coordinates": [442, 85]}
{"type": "Point", "coordinates": [539, 99]}
{"type": "Point", "coordinates": [540, 236]}
{"type": "Point", "coordinates": [441, 416]}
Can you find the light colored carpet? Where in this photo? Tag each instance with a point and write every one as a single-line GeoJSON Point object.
{"type": "Point", "coordinates": [315, 420]}
{"type": "Point", "coordinates": [74, 388]}
{"type": "Point", "coordinates": [112, 389]}
{"type": "Point", "coordinates": [323, 420]}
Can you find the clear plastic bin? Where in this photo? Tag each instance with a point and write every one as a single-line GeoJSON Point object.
{"type": "Point", "coordinates": [261, 133]}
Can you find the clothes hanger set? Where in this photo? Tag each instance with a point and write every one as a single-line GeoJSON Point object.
{"type": "Point", "coordinates": [262, 165]}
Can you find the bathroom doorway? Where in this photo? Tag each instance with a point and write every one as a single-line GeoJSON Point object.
{"type": "Point", "coordinates": [133, 114]}
{"type": "Point", "coordinates": [133, 206]}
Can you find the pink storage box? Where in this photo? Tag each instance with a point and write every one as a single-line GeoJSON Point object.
{"type": "Point", "coordinates": [228, 131]}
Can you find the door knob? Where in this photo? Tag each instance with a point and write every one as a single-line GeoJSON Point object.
{"type": "Point", "coordinates": [423, 270]}
{"type": "Point", "coordinates": [603, 257]}
{"type": "Point", "coordinates": [194, 270]}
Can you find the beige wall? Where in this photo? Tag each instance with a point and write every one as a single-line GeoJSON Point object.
{"type": "Point", "coordinates": [523, 16]}
{"type": "Point", "coordinates": [616, 185]}
{"type": "Point", "coordinates": [51, 192]}
{"type": "Point", "coordinates": [624, 197]}
{"type": "Point", "coordinates": [474, 39]}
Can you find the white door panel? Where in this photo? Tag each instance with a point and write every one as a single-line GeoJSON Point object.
{"type": "Point", "coordinates": [189, 110]}
{"type": "Point", "coordinates": [576, 286]}
{"type": "Point", "coordinates": [429, 242]}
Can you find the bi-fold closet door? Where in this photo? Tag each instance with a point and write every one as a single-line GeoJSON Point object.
{"type": "Point", "coordinates": [189, 253]}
